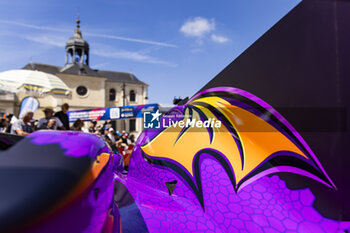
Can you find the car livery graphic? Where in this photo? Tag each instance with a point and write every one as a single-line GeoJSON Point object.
{"type": "Point", "coordinates": [278, 163]}
{"type": "Point", "coordinates": [254, 141]}
{"type": "Point", "coordinates": [227, 179]}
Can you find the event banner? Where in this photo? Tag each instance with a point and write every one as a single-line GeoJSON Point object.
{"type": "Point", "coordinates": [28, 103]}
{"type": "Point", "coordinates": [112, 113]}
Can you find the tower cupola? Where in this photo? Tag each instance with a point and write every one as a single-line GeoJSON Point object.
{"type": "Point", "coordinates": [77, 49]}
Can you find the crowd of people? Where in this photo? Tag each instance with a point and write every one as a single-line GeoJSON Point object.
{"type": "Point", "coordinates": [119, 141]}
{"type": "Point", "coordinates": [114, 138]}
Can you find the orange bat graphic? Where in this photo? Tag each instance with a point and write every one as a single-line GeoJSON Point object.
{"type": "Point", "coordinates": [250, 142]}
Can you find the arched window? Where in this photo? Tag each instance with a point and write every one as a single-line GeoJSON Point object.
{"type": "Point", "coordinates": [112, 94]}
{"type": "Point", "coordinates": [86, 59]}
{"type": "Point", "coordinates": [132, 96]}
{"type": "Point", "coordinates": [70, 56]}
{"type": "Point", "coordinates": [77, 56]}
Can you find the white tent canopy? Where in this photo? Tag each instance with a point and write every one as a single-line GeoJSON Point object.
{"type": "Point", "coordinates": [35, 82]}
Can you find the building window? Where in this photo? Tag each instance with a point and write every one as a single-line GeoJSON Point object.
{"type": "Point", "coordinates": [132, 125]}
{"type": "Point", "coordinates": [81, 90]}
{"type": "Point", "coordinates": [77, 56]}
{"type": "Point", "coordinates": [70, 56]}
{"type": "Point", "coordinates": [112, 94]}
{"type": "Point", "coordinates": [132, 96]}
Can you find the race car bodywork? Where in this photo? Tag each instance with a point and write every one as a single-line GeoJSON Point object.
{"type": "Point", "coordinates": [224, 179]}
{"type": "Point", "coordinates": [278, 162]}
{"type": "Point", "coordinates": [54, 181]}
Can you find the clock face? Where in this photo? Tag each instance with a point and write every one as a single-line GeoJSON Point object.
{"type": "Point", "coordinates": [81, 90]}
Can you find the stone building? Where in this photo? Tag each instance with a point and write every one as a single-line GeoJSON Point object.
{"type": "Point", "coordinates": [91, 88]}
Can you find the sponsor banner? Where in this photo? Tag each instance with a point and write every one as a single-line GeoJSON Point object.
{"type": "Point", "coordinates": [112, 113]}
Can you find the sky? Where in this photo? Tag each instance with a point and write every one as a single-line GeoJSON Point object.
{"type": "Point", "coordinates": [174, 46]}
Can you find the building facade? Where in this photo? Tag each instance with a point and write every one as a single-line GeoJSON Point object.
{"type": "Point", "coordinates": [91, 88]}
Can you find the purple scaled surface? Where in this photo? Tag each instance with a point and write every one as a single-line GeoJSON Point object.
{"type": "Point", "coordinates": [265, 205]}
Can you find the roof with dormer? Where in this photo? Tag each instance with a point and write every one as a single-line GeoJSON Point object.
{"type": "Point", "coordinates": [81, 68]}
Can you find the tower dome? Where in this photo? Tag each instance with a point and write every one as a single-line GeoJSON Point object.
{"type": "Point", "coordinates": [77, 49]}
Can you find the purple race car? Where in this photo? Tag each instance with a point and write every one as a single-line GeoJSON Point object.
{"type": "Point", "coordinates": [54, 181]}
{"type": "Point", "coordinates": [263, 147]}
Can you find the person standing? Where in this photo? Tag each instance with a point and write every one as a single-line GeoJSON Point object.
{"type": "Point", "coordinates": [63, 116]}
{"type": "Point", "coordinates": [110, 135]}
{"type": "Point", "coordinates": [51, 124]}
{"type": "Point", "coordinates": [22, 126]}
{"type": "Point", "coordinates": [8, 118]}
{"type": "Point", "coordinates": [78, 125]}
{"type": "Point", "coordinates": [3, 125]}
{"type": "Point", "coordinates": [92, 127]}
{"type": "Point", "coordinates": [42, 124]}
